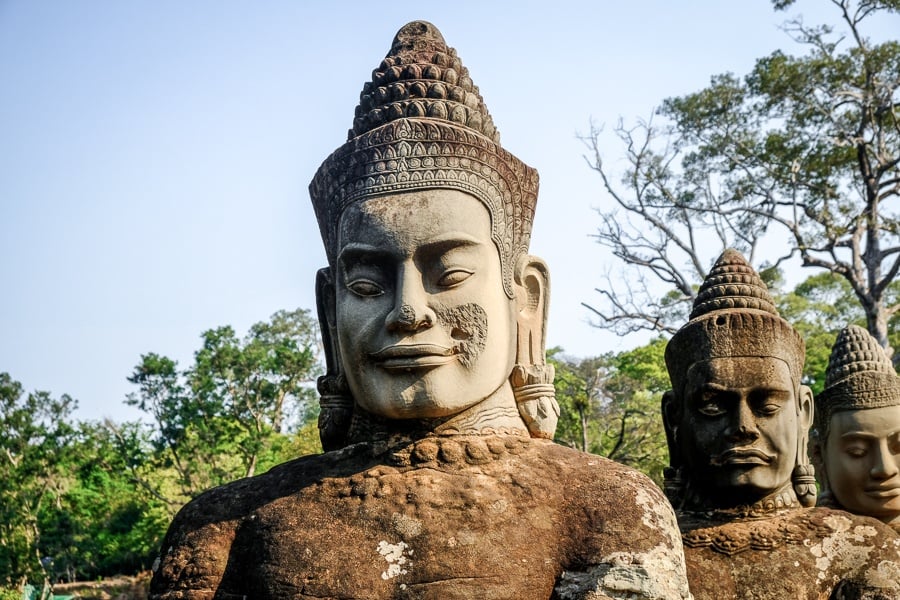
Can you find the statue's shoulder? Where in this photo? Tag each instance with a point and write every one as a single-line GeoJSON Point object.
{"type": "Point", "coordinates": [623, 502]}
{"type": "Point", "coordinates": [622, 527]}
{"type": "Point", "coordinates": [600, 474]}
{"type": "Point", "coordinates": [195, 550]}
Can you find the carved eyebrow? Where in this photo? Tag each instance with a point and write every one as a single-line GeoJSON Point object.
{"type": "Point", "coordinates": [448, 242]}
{"type": "Point", "coordinates": [868, 436]}
{"type": "Point", "coordinates": [714, 387]}
{"type": "Point", "coordinates": [718, 388]}
{"type": "Point", "coordinates": [859, 435]}
{"type": "Point", "coordinates": [354, 253]}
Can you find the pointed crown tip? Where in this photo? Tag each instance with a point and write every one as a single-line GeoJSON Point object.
{"type": "Point", "coordinates": [732, 284]}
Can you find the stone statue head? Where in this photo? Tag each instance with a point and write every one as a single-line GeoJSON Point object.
{"type": "Point", "coordinates": [737, 416]}
{"type": "Point", "coordinates": [430, 304]}
{"type": "Point", "coordinates": [856, 437]}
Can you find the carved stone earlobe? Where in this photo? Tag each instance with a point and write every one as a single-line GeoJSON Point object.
{"type": "Point", "coordinates": [335, 401]}
{"type": "Point", "coordinates": [335, 411]}
{"type": "Point", "coordinates": [532, 377]}
{"type": "Point", "coordinates": [673, 476]}
{"type": "Point", "coordinates": [536, 398]}
{"type": "Point", "coordinates": [803, 477]}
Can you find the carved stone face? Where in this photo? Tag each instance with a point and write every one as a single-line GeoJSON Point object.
{"type": "Point", "coordinates": [739, 428]}
{"type": "Point", "coordinates": [862, 461]}
{"type": "Point", "coordinates": [424, 327]}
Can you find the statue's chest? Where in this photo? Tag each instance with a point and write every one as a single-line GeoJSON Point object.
{"type": "Point", "coordinates": [420, 534]}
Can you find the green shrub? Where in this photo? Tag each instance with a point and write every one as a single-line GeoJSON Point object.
{"type": "Point", "coordinates": [10, 594]}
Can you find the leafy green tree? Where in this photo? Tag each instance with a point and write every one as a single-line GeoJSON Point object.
{"type": "Point", "coordinates": [237, 410]}
{"type": "Point", "coordinates": [807, 146]}
{"type": "Point", "coordinates": [819, 307]}
{"type": "Point", "coordinates": [103, 524]}
{"type": "Point", "coordinates": [35, 437]}
{"type": "Point", "coordinates": [610, 405]}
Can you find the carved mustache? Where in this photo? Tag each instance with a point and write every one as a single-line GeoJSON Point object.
{"type": "Point", "coordinates": [739, 454]}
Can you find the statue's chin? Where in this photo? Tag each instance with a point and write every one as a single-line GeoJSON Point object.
{"type": "Point", "coordinates": [436, 392]}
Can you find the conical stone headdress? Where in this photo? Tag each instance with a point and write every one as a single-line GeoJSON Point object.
{"type": "Point", "coordinates": [733, 315]}
{"type": "Point", "coordinates": [860, 375]}
{"type": "Point", "coordinates": [421, 124]}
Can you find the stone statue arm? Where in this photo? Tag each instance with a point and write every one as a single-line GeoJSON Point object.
{"type": "Point", "coordinates": [194, 554]}
{"type": "Point", "coordinates": [632, 547]}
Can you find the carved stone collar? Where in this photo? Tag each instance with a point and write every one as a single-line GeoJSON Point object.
{"type": "Point", "coordinates": [787, 527]}
{"type": "Point", "coordinates": [445, 451]}
{"type": "Point", "coordinates": [783, 499]}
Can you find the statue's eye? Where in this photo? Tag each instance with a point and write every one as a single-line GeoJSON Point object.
{"type": "Point", "coordinates": [769, 408]}
{"type": "Point", "coordinates": [365, 288]}
{"type": "Point", "coordinates": [454, 277]}
{"type": "Point", "coordinates": [711, 409]}
{"type": "Point", "coordinates": [711, 403]}
{"type": "Point", "coordinates": [856, 451]}
{"type": "Point", "coordinates": [894, 444]}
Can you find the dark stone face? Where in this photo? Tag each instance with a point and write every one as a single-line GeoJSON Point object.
{"type": "Point", "coordinates": [739, 428]}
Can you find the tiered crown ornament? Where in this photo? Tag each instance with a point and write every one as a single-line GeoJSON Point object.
{"type": "Point", "coordinates": [859, 376]}
{"type": "Point", "coordinates": [421, 124]}
{"type": "Point", "coordinates": [734, 315]}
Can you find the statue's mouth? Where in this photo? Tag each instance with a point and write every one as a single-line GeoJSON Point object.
{"type": "Point", "coordinates": [742, 456]}
{"type": "Point", "coordinates": [886, 491]}
{"type": "Point", "coordinates": [406, 357]}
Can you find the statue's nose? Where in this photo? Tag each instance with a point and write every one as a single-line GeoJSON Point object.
{"type": "Point", "coordinates": [743, 425]}
{"type": "Point", "coordinates": [885, 463]}
{"type": "Point", "coordinates": [411, 310]}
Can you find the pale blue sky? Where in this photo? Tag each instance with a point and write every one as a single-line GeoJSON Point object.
{"type": "Point", "coordinates": [155, 155]}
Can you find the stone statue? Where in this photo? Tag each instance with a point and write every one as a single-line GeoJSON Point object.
{"type": "Point", "coordinates": [440, 479]}
{"type": "Point", "coordinates": [736, 422]}
{"type": "Point", "coordinates": [856, 439]}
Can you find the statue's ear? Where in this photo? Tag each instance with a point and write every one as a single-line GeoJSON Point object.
{"type": "Point", "coordinates": [325, 305]}
{"type": "Point", "coordinates": [335, 400]}
{"type": "Point", "coordinates": [532, 377]}
{"type": "Point", "coordinates": [533, 302]}
{"type": "Point", "coordinates": [671, 414]}
{"type": "Point", "coordinates": [803, 476]}
{"type": "Point", "coordinates": [807, 408]}
{"type": "Point", "coordinates": [673, 475]}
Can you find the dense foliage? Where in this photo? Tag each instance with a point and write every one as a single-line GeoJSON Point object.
{"type": "Point", "coordinates": [610, 405]}
{"type": "Point", "coordinates": [81, 500]}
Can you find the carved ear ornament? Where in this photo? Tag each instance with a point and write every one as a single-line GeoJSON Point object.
{"type": "Point", "coordinates": [536, 398]}
{"type": "Point", "coordinates": [335, 411]}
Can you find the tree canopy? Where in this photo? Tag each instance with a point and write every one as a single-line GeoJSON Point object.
{"type": "Point", "coordinates": [803, 148]}
{"type": "Point", "coordinates": [87, 499]}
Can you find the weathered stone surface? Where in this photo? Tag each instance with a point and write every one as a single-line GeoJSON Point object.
{"type": "Point", "coordinates": [443, 518]}
{"type": "Point", "coordinates": [736, 423]}
{"type": "Point", "coordinates": [802, 553]}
